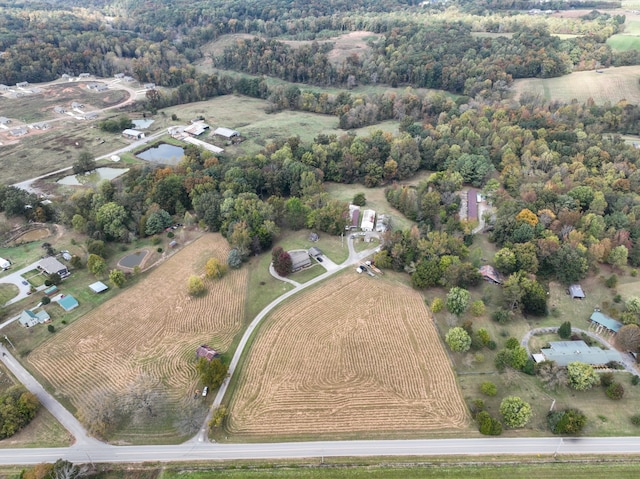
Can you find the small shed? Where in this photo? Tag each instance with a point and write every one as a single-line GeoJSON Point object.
{"type": "Point", "coordinates": [226, 132]}
{"type": "Point", "coordinates": [98, 287]}
{"type": "Point", "coordinates": [29, 318]}
{"type": "Point", "coordinates": [5, 264]}
{"type": "Point", "coordinates": [207, 352]}
{"type": "Point", "coordinates": [68, 303]}
{"type": "Point", "coordinates": [173, 244]}
{"type": "Point", "coordinates": [575, 291]}
{"type": "Point", "coordinates": [489, 273]}
{"type": "Point", "coordinates": [149, 86]}
{"type": "Point", "coordinates": [51, 290]}
{"type": "Point", "coordinates": [313, 237]}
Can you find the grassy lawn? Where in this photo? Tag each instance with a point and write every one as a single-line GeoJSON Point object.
{"type": "Point", "coordinates": [35, 277]}
{"type": "Point", "coordinates": [7, 292]}
{"type": "Point", "coordinates": [334, 247]}
{"type": "Point", "coordinates": [360, 245]}
{"type": "Point", "coordinates": [263, 288]}
{"type": "Point", "coordinates": [307, 274]}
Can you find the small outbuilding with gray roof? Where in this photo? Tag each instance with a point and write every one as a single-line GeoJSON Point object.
{"type": "Point", "coordinates": [576, 292]}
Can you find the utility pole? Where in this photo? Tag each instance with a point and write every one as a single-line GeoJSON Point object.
{"type": "Point", "coordinates": [5, 337]}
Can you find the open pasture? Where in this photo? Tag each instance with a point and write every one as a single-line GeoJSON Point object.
{"type": "Point", "coordinates": [354, 356]}
{"type": "Point", "coordinates": [151, 329]}
{"type": "Point", "coordinates": [613, 85]}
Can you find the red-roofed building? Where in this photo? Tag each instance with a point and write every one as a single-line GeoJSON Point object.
{"type": "Point", "coordinates": [472, 204]}
{"type": "Point", "coordinates": [206, 352]}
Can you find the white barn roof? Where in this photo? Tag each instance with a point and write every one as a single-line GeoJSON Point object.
{"type": "Point", "coordinates": [368, 220]}
{"type": "Point", "coordinates": [98, 287]}
{"type": "Point", "coordinates": [226, 132]}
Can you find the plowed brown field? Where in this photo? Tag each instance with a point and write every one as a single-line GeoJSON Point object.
{"type": "Point", "coordinates": [351, 356]}
{"type": "Point", "coordinates": [151, 329]}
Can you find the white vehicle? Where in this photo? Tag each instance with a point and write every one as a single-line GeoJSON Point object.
{"type": "Point", "coordinates": [4, 264]}
{"type": "Point", "coordinates": [205, 391]}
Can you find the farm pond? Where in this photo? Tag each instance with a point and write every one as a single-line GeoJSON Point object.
{"type": "Point", "coordinates": [163, 153]}
{"type": "Point", "coordinates": [99, 174]}
{"type": "Point", "coordinates": [134, 259]}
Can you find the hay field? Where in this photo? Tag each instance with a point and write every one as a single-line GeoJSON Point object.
{"type": "Point", "coordinates": [613, 85]}
{"type": "Point", "coordinates": [354, 356]}
{"type": "Point", "coordinates": [150, 329]}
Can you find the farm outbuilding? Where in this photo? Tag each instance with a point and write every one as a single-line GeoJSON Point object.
{"type": "Point", "coordinates": [489, 273]}
{"type": "Point", "coordinates": [566, 352]}
{"type": "Point", "coordinates": [133, 134]}
{"type": "Point", "coordinates": [50, 265]}
{"type": "Point", "coordinates": [576, 292]}
{"type": "Point", "coordinates": [19, 131]}
{"type": "Point", "coordinates": [68, 303]}
{"type": "Point", "coordinates": [28, 318]}
{"type": "Point", "coordinates": [383, 223]}
{"type": "Point", "coordinates": [51, 290]}
{"type": "Point", "coordinates": [472, 204]}
{"type": "Point", "coordinates": [98, 287]}
{"type": "Point", "coordinates": [299, 259]}
{"type": "Point", "coordinates": [226, 132]}
{"type": "Point", "coordinates": [197, 128]}
{"type": "Point", "coordinates": [604, 322]}
{"type": "Point", "coordinates": [207, 352]}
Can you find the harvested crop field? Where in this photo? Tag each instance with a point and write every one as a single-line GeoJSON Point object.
{"type": "Point", "coordinates": [354, 355]}
{"type": "Point", "coordinates": [151, 330]}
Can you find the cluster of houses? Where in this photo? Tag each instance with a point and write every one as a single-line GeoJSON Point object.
{"type": "Point", "coordinates": [367, 221]}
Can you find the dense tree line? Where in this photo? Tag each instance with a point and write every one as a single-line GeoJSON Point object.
{"type": "Point", "coordinates": [159, 44]}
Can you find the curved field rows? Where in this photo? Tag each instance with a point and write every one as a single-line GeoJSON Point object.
{"type": "Point", "coordinates": [356, 354]}
{"type": "Point", "coordinates": [151, 330]}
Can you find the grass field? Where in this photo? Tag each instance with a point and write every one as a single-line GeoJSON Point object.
{"type": "Point", "coordinates": [613, 85]}
{"type": "Point", "coordinates": [7, 292]}
{"type": "Point", "coordinates": [622, 42]}
{"type": "Point", "coordinates": [569, 470]}
{"type": "Point", "coordinates": [150, 329]}
{"type": "Point", "coordinates": [354, 356]}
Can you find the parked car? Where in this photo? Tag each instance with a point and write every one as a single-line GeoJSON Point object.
{"type": "Point", "coordinates": [205, 391]}
{"type": "Point", "coordinates": [319, 258]}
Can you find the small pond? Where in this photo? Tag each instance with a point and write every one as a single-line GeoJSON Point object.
{"type": "Point", "coordinates": [142, 123]}
{"type": "Point", "coordinates": [102, 173]}
{"type": "Point", "coordinates": [163, 153]}
{"type": "Point", "coordinates": [133, 260]}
